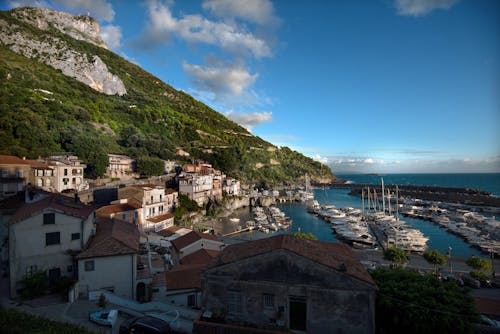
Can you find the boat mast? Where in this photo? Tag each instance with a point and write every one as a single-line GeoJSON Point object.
{"type": "Point", "coordinates": [363, 201]}
{"type": "Point", "coordinates": [397, 202]}
{"type": "Point", "coordinates": [383, 196]}
{"type": "Point", "coordinates": [389, 200]}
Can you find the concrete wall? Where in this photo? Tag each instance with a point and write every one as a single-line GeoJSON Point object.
{"type": "Point", "coordinates": [336, 303]}
{"type": "Point", "coordinates": [201, 244]}
{"type": "Point", "coordinates": [116, 272]}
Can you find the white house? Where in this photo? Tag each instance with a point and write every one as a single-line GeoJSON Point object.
{"type": "Point", "coordinates": [110, 260]}
{"type": "Point", "coordinates": [231, 186]}
{"type": "Point", "coordinates": [42, 236]}
{"type": "Point", "coordinates": [195, 241]}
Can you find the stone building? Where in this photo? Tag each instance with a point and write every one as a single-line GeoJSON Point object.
{"type": "Point", "coordinates": [120, 166]}
{"type": "Point", "coordinates": [289, 283]}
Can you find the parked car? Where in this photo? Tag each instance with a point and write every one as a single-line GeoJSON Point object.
{"type": "Point", "coordinates": [104, 317]}
{"type": "Point", "coordinates": [146, 325]}
{"type": "Point", "coordinates": [452, 278]}
{"type": "Point", "coordinates": [470, 281]}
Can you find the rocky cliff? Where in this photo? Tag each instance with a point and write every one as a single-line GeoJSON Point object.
{"type": "Point", "coordinates": [58, 52]}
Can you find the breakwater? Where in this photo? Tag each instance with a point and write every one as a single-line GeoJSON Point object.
{"type": "Point", "coordinates": [466, 196]}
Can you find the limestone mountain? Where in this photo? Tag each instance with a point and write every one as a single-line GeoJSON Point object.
{"type": "Point", "coordinates": [62, 90]}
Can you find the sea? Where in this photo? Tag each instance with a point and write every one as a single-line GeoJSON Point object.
{"type": "Point", "coordinates": [439, 238]}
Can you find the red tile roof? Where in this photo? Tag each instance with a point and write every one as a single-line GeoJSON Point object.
{"type": "Point", "coordinates": [169, 231]}
{"type": "Point", "coordinates": [190, 238]}
{"type": "Point", "coordinates": [202, 256]}
{"type": "Point", "coordinates": [335, 255]}
{"type": "Point", "coordinates": [184, 277]}
{"type": "Point", "coordinates": [113, 237]}
{"type": "Point", "coordinates": [161, 218]}
{"type": "Point", "coordinates": [12, 160]}
{"type": "Point", "coordinates": [52, 201]}
{"type": "Point", "coordinates": [115, 208]}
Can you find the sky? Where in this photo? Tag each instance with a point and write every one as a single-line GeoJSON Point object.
{"type": "Point", "coordinates": [382, 86]}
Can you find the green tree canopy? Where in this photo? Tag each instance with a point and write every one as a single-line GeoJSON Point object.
{"type": "Point", "coordinates": [408, 302]}
{"type": "Point", "coordinates": [396, 255]}
{"type": "Point", "coordinates": [479, 263]}
{"type": "Point", "coordinates": [435, 258]}
{"type": "Point", "coordinates": [148, 166]}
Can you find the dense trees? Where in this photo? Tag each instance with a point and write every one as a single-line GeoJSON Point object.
{"type": "Point", "coordinates": [479, 263]}
{"type": "Point", "coordinates": [408, 302]}
{"type": "Point", "coordinates": [150, 166]}
{"type": "Point", "coordinates": [152, 119]}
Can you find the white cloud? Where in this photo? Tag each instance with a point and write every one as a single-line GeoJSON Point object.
{"type": "Point", "coordinates": [256, 11]}
{"type": "Point", "coordinates": [27, 3]}
{"type": "Point", "coordinates": [112, 35]}
{"type": "Point", "coordinates": [369, 161]}
{"type": "Point", "coordinates": [249, 120]}
{"type": "Point", "coordinates": [421, 7]}
{"type": "Point", "coordinates": [99, 9]}
{"type": "Point", "coordinates": [221, 78]}
{"type": "Point", "coordinates": [323, 160]}
{"type": "Point", "coordinates": [198, 29]}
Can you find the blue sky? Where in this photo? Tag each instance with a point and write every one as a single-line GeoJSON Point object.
{"type": "Point", "coordinates": [364, 86]}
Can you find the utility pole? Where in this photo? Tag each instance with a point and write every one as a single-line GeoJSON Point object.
{"type": "Point", "coordinates": [449, 259]}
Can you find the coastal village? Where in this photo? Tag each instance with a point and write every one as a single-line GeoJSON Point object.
{"type": "Point", "coordinates": [117, 239]}
{"type": "Point", "coordinates": [137, 196]}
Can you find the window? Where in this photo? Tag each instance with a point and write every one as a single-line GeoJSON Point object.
{"type": "Point", "coordinates": [75, 236]}
{"type": "Point", "coordinates": [52, 238]}
{"type": "Point", "coordinates": [161, 197]}
{"type": "Point", "coordinates": [268, 301]}
{"type": "Point", "coordinates": [65, 181]}
{"type": "Point", "coordinates": [65, 171]}
{"type": "Point", "coordinates": [30, 271]}
{"type": "Point", "coordinates": [191, 300]}
{"type": "Point", "coordinates": [69, 268]}
{"type": "Point", "coordinates": [234, 302]}
{"type": "Point", "coordinates": [89, 265]}
{"type": "Point", "coordinates": [124, 216]}
{"type": "Point", "coordinates": [49, 218]}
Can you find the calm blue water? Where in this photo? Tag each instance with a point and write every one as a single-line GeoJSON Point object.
{"type": "Point", "coordinates": [485, 181]}
{"type": "Point", "coordinates": [308, 223]}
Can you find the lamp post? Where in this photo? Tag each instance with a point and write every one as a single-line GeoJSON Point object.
{"type": "Point", "coordinates": [449, 259]}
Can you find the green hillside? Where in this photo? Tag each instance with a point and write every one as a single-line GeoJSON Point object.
{"type": "Point", "coordinates": [42, 111]}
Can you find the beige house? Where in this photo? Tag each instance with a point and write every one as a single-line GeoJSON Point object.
{"type": "Point", "coordinates": [62, 172]}
{"type": "Point", "coordinates": [42, 236]}
{"type": "Point", "coordinates": [120, 166]}
{"type": "Point", "coordinates": [14, 175]}
{"type": "Point", "coordinates": [109, 263]}
{"type": "Point", "coordinates": [129, 212]}
{"type": "Point", "coordinates": [156, 203]}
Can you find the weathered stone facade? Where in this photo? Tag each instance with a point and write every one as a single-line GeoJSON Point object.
{"type": "Point", "coordinates": [284, 289]}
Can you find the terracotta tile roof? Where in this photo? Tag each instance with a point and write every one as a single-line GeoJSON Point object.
{"type": "Point", "coordinates": [161, 218]}
{"type": "Point", "coordinates": [190, 238]}
{"type": "Point", "coordinates": [53, 201]}
{"type": "Point", "coordinates": [113, 237]}
{"type": "Point", "coordinates": [335, 255]}
{"type": "Point", "coordinates": [202, 256]}
{"type": "Point", "coordinates": [115, 208]}
{"type": "Point", "coordinates": [148, 185]}
{"type": "Point", "coordinates": [184, 277]}
{"type": "Point", "coordinates": [169, 191]}
{"type": "Point", "coordinates": [12, 160]}
{"type": "Point", "coordinates": [169, 231]}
